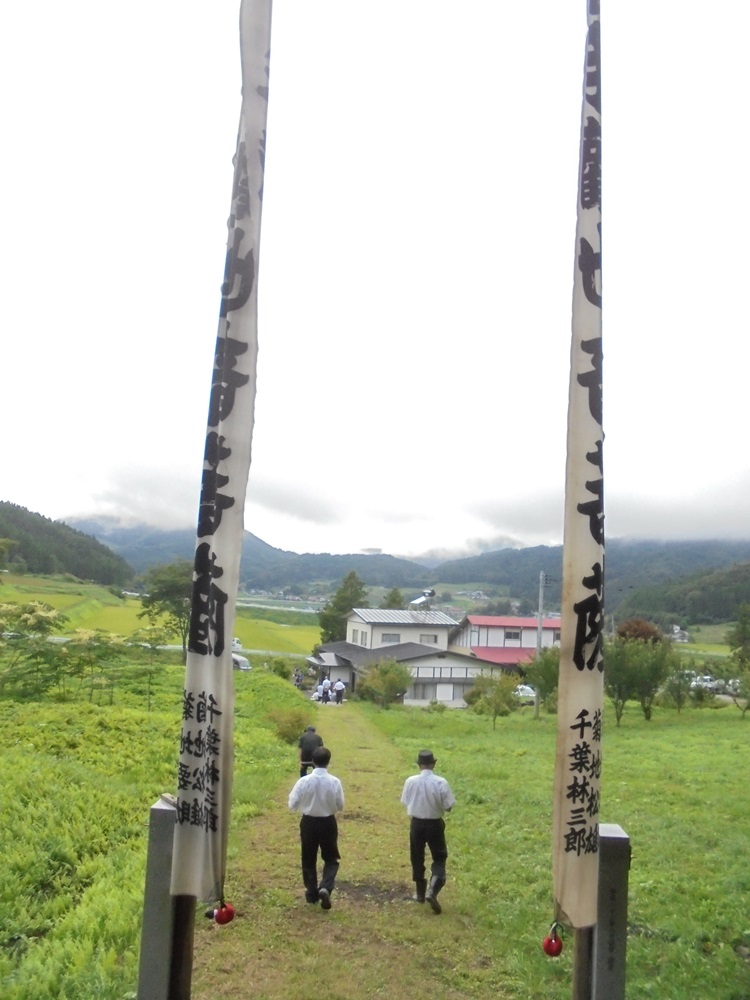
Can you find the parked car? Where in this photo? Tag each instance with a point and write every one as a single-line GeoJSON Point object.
{"type": "Point", "coordinates": [708, 683]}
{"type": "Point", "coordinates": [525, 694]}
{"type": "Point", "coordinates": [240, 662]}
{"type": "Point", "coordinates": [236, 645]}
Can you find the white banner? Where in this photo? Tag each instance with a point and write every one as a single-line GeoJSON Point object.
{"type": "Point", "coordinates": [575, 835]}
{"type": "Point", "coordinates": [204, 785]}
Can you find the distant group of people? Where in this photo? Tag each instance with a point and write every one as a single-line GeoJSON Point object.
{"type": "Point", "coordinates": [327, 688]}
{"type": "Point", "coordinates": [319, 796]}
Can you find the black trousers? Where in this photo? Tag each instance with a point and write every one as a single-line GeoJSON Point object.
{"type": "Point", "coordinates": [425, 833]}
{"type": "Point", "coordinates": [319, 833]}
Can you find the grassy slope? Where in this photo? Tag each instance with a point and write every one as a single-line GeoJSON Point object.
{"type": "Point", "coordinates": [676, 785]}
{"type": "Point", "coordinates": [75, 820]}
{"type": "Point", "coordinates": [92, 607]}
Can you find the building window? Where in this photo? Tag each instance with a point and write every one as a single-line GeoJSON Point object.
{"type": "Point", "coordinates": [430, 639]}
{"type": "Point", "coordinates": [391, 637]}
{"type": "Point", "coordinates": [556, 635]}
{"type": "Point", "coordinates": [355, 636]}
{"type": "Point", "coordinates": [364, 639]}
{"type": "Point", "coordinates": [513, 636]}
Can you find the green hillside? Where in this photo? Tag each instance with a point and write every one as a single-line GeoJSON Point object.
{"type": "Point", "coordinates": [708, 597]}
{"type": "Point", "coordinates": [32, 543]}
{"type": "Point", "coordinates": [89, 606]}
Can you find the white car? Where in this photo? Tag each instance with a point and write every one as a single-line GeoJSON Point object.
{"type": "Point", "coordinates": [240, 662]}
{"type": "Point", "coordinates": [236, 645]}
{"type": "Point", "coordinates": [708, 682]}
{"type": "Point", "coordinates": [525, 694]}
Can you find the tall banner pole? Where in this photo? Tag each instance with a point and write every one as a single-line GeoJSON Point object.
{"type": "Point", "coordinates": [575, 832]}
{"type": "Point", "coordinates": [204, 781]}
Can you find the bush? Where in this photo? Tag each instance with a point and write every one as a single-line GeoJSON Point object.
{"type": "Point", "coordinates": [384, 683]}
{"type": "Point", "coordinates": [281, 667]}
{"type": "Point", "coordinates": [290, 723]}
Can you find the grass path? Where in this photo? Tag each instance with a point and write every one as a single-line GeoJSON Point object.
{"type": "Point", "coordinates": [375, 941]}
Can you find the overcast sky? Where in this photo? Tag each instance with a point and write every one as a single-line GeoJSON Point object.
{"type": "Point", "coordinates": [416, 265]}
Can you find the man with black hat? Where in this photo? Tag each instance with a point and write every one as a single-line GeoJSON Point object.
{"type": "Point", "coordinates": [307, 743]}
{"type": "Point", "coordinates": [427, 798]}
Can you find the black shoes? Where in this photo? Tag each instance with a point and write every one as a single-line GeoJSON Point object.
{"type": "Point", "coordinates": [432, 900]}
{"type": "Point", "coordinates": [325, 899]}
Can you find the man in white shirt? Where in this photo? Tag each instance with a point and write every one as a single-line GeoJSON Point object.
{"type": "Point", "coordinates": [427, 798]}
{"type": "Point", "coordinates": [338, 689]}
{"type": "Point", "coordinates": [318, 796]}
{"type": "Point", "coordinates": [326, 692]}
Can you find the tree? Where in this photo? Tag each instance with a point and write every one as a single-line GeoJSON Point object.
{"type": "Point", "coordinates": [151, 637]}
{"type": "Point", "coordinates": [393, 600]}
{"type": "Point", "coordinates": [89, 654]}
{"type": "Point", "coordinates": [677, 688]}
{"type": "Point", "coordinates": [738, 640]}
{"type": "Point", "coordinates": [640, 629]}
{"type": "Point", "coordinates": [352, 593]}
{"type": "Point", "coordinates": [493, 696]}
{"type": "Point", "coordinates": [618, 680]}
{"type": "Point", "coordinates": [168, 598]}
{"type": "Point", "coordinates": [543, 673]}
{"type": "Point", "coordinates": [636, 669]}
{"type": "Point", "coordinates": [7, 545]}
{"type": "Point", "coordinates": [26, 655]}
{"type": "Point", "coordinates": [502, 606]}
{"type": "Point", "coordinates": [385, 682]}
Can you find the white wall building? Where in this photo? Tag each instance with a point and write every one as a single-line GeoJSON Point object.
{"type": "Point", "coordinates": [419, 640]}
{"type": "Point", "coordinates": [373, 627]}
{"type": "Point", "coordinates": [499, 632]}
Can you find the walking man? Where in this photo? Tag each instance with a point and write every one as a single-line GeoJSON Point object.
{"type": "Point", "coordinates": [427, 798]}
{"type": "Point", "coordinates": [307, 743]}
{"type": "Point", "coordinates": [318, 796]}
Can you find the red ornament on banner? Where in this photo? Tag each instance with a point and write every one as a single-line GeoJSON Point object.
{"type": "Point", "coordinates": [223, 914]}
{"type": "Point", "coordinates": [553, 943]}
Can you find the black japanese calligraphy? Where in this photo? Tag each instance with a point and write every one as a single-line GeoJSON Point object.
{"type": "Point", "coordinates": [239, 276]}
{"type": "Point", "coordinates": [592, 379]}
{"type": "Point", "coordinates": [594, 510]}
{"type": "Point", "coordinates": [198, 770]}
{"type": "Point", "coordinates": [582, 789]}
{"type": "Point", "coordinates": [590, 183]}
{"type": "Point", "coordinates": [207, 632]}
{"type": "Point", "coordinates": [593, 87]}
{"type": "Point", "coordinates": [587, 646]}
{"type": "Point", "coordinates": [590, 266]}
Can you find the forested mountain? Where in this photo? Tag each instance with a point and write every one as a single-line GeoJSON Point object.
{"type": "Point", "coordinates": [262, 566]}
{"type": "Point", "coordinates": [681, 581]}
{"type": "Point", "coordinates": [707, 597]}
{"type": "Point", "coordinates": [629, 565]}
{"type": "Point", "coordinates": [44, 546]}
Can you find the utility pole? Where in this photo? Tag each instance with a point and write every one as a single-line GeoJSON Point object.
{"type": "Point", "coordinates": [540, 613]}
{"type": "Point", "coordinates": [539, 630]}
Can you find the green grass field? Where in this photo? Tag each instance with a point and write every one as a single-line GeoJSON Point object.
{"type": "Point", "coordinates": [89, 606]}
{"type": "Point", "coordinates": [84, 776]}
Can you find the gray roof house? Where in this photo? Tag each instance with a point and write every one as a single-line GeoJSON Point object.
{"type": "Point", "coordinates": [418, 639]}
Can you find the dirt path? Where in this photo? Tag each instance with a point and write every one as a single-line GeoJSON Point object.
{"type": "Point", "coordinates": [374, 941]}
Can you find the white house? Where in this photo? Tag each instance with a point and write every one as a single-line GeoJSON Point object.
{"type": "Point", "coordinates": [476, 632]}
{"type": "Point", "coordinates": [418, 639]}
{"type": "Point", "coordinates": [374, 627]}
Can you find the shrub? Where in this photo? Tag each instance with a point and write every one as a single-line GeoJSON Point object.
{"type": "Point", "coordinates": [290, 723]}
{"type": "Point", "coordinates": [385, 683]}
{"type": "Point", "coordinates": [281, 667]}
